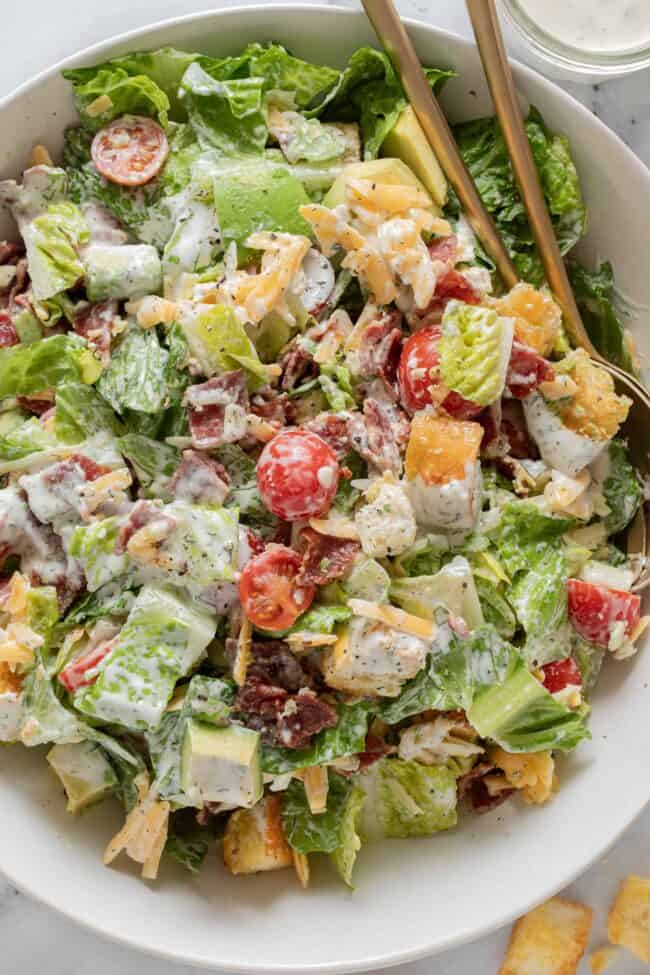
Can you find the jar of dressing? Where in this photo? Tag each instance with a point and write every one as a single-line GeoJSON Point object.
{"type": "Point", "coordinates": [588, 39]}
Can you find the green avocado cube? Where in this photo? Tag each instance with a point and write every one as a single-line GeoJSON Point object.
{"type": "Point", "coordinates": [222, 764]}
{"type": "Point", "coordinates": [86, 774]}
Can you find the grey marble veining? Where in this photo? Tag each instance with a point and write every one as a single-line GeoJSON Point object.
{"type": "Point", "coordinates": [34, 939]}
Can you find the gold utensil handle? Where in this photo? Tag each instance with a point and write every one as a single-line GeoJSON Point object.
{"type": "Point", "coordinates": [502, 87]}
{"type": "Point", "coordinates": [396, 42]}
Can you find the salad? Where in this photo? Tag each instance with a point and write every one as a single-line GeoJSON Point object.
{"type": "Point", "coordinates": [310, 531]}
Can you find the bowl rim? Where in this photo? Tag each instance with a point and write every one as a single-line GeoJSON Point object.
{"type": "Point", "coordinates": [399, 956]}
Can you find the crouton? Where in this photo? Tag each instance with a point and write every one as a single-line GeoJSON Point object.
{"type": "Point", "coordinates": [550, 940]}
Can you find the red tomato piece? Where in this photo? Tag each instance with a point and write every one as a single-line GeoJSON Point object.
{"type": "Point", "coordinates": [269, 591]}
{"type": "Point", "coordinates": [130, 150]}
{"type": "Point", "coordinates": [595, 610]}
{"type": "Point", "coordinates": [560, 674]}
{"type": "Point", "coordinates": [298, 475]}
{"type": "Point", "coordinates": [76, 674]}
{"type": "Point", "coordinates": [419, 356]}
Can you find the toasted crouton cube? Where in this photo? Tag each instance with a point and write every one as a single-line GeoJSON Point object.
{"type": "Point", "coordinates": [628, 922]}
{"type": "Point", "coordinates": [549, 940]}
{"type": "Point", "coordinates": [254, 840]}
{"type": "Point", "coordinates": [601, 959]}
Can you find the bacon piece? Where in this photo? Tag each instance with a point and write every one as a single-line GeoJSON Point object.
{"type": "Point", "coordinates": [272, 406]}
{"type": "Point", "coordinates": [96, 324]}
{"type": "Point", "coordinates": [494, 443]}
{"type": "Point", "coordinates": [91, 469]}
{"type": "Point", "coordinates": [472, 789]}
{"type": "Point", "coordinates": [450, 285]}
{"type": "Point", "coordinates": [8, 334]}
{"type": "Point", "coordinates": [376, 748]}
{"type": "Point", "coordinates": [284, 719]}
{"type": "Point", "coordinates": [513, 426]}
{"type": "Point", "coordinates": [526, 370]}
{"type": "Point", "coordinates": [333, 430]}
{"type": "Point", "coordinates": [381, 345]}
{"type": "Point", "coordinates": [297, 365]}
{"type": "Point", "coordinates": [39, 405]}
{"type": "Point", "coordinates": [200, 479]}
{"type": "Point", "coordinates": [217, 409]}
{"type": "Point", "coordinates": [10, 251]}
{"type": "Point", "coordinates": [380, 434]}
{"type": "Point", "coordinates": [325, 558]}
{"type": "Point", "coordinates": [143, 513]}
{"type": "Point", "coordinates": [444, 249]}
{"type": "Point", "coordinates": [274, 664]}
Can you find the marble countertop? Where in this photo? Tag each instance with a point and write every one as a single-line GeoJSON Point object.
{"type": "Point", "coordinates": [34, 938]}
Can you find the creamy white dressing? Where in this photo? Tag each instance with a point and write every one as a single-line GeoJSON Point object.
{"type": "Point", "coordinates": [598, 26]}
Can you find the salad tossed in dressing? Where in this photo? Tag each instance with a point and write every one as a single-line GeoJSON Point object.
{"type": "Point", "coordinates": [309, 530]}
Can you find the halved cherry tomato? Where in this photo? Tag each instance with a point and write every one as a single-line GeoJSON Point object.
{"type": "Point", "coordinates": [560, 674]}
{"type": "Point", "coordinates": [595, 610]}
{"type": "Point", "coordinates": [76, 674]}
{"type": "Point", "coordinates": [298, 475]}
{"type": "Point", "coordinates": [268, 589]}
{"type": "Point", "coordinates": [419, 356]}
{"type": "Point", "coordinates": [130, 150]}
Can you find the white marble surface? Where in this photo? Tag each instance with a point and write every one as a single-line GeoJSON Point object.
{"type": "Point", "coordinates": [33, 938]}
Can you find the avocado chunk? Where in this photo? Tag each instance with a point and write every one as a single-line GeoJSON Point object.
{"type": "Point", "coordinates": [222, 764]}
{"type": "Point", "coordinates": [125, 271]}
{"type": "Point", "coordinates": [85, 773]}
{"type": "Point", "coordinates": [408, 142]}
{"type": "Point", "coordinates": [391, 171]}
{"type": "Point", "coordinates": [257, 196]}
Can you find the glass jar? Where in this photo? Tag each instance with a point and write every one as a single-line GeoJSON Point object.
{"type": "Point", "coordinates": [562, 60]}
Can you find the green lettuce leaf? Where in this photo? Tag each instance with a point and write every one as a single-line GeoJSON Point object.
{"type": "Point", "coordinates": [129, 94]}
{"type": "Point", "coordinates": [94, 545]}
{"type": "Point", "coordinates": [217, 340]}
{"type": "Point", "coordinates": [521, 716]}
{"type": "Point", "coordinates": [347, 738]}
{"type": "Point", "coordinates": [135, 377]}
{"type": "Point", "coordinates": [620, 486]}
{"type": "Point", "coordinates": [539, 597]}
{"type": "Point", "coordinates": [475, 351]}
{"type": "Point", "coordinates": [154, 462]}
{"type": "Point", "coordinates": [52, 241]}
{"type": "Point", "coordinates": [165, 67]}
{"type": "Point", "coordinates": [309, 833]}
{"type": "Point", "coordinates": [594, 293]}
{"type": "Point", "coordinates": [281, 71]}
{"type": "Point", "coordinates": [27, 438]}
{"type": "Point", "coordinates": [414, 799]}
{"type": "Point", "coordinates": [81, 413]}
{"type": "Point", "coordinates": [452, 588]}
{"type": "Point", "coordinates": [321, 619]}
{"type": "Point", "coordinates": [521, 531]}
{"type": "Point", "coordinates": [484, 150]}
{"type": "Point", "coordinates": [496, 608]}
{"type": "Point", "coordinates": [244, 493]}
{"type": "Point", "coordinates": [589, 659]}
{"type": "Point", "coordinates": [345, 855]}
{"type": "Point", "coordinates": [226, 115]}
{"type": "Point", "coordinates": [188, 850]}
{"type": "Point", "coordinates": [28, 369]}
{"type": "Point", "coordinates": [111, 600]}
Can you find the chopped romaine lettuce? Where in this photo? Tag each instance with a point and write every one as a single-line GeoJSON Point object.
{"type": "Point", "coordinates": [217, 340]}
{"type": "Point", "coordinates": [188, 850]}
{"type": "Point", "coordinates": [307, 832]}
{"type": "Point", "coordinates": [539, 597]}
{"type": "Point", "coordinates": [475, 351]}
{"type": "Point", "coordinates": [122, 271]}
{"type": "Point", "coordinates": [452, 588]}
{"type": "Point", "coordinates": [94, 546]}
{"type": "Point", "coordinates": [114, 599]}
{"type": "Point", "coordinates": [345, 855]}
{"type": "Point", "coordinates": [620, 485]}
{"type": "Point", "coordinates": [28, 369]}
{"type": "Point", "coordinates": [135, 378]}
{"type": "Point", "coordinates": [81, 412]}
{"type": "Point", "coordinates": [154, 462]}
{"type": "Point", "coordinates": [594, 292]}
{"type": "Point", "coordinates": [129, 94]}
{"type": "Point", "coordinates": [520, 532]}
{"type": "Point", "coordinates": [322, 619]}
{"type": "Point", "coordinates": [27, 438]}
{"type": "Point", "coordinates": [413, 799]}
{"type": "Point", "coordinates": [226, 115]}
{"type": "Point", "coordinates": [496, 608]}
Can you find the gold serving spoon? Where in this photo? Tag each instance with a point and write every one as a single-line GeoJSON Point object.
{"type": "Point", "coordinates": [394, 39]}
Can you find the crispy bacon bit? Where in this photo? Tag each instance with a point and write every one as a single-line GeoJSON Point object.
{"type": "Point", "coordinates": [444, 249]}
{"type": "Point", "coordinates": [8, 334]}
{"type": "Point", "coordinates": [297, 365]}
{"type": "Point", "coordinates": [143, 513]}
{"type": "Point", "coordinates": [473, 789]}
{"type": "Point", "coordinates": [333, 430]}
{"type": "Point", "coordinates": [10, 251]}
{"type": "Point", "coordinates": [450, 285]}
{"type": "Point", "coordinates": [325, 558]}
{"type": "Point", "coordinates": [200, 479]}
{"type": "Point", "coordinates": [217, 409]}
{"type": "Point", "coordinates": [381, 345]}
{"type": "Point", "coordinates": [513, 426]}
{"type": "Point", "coordinates": [274, 664]}
{"type": "Point", "coordinates": [38, 405]}
{"type": "Point", "coordinates": [91, 470]}
{"type": "Point", "coordinates": [272, 406]}
{"type": "Point", "coordinates": [376, 748]}
{"type": "Point", "coordinates": [527, 369]}
{"type": "Point", "coordinates": [96, 324]}
{"type": "Point", "coordinates": [494, 443]}
{"type": "Point", "coordinates": [380, 434]}
{"type": "Point", "coordinates": [284, 719]}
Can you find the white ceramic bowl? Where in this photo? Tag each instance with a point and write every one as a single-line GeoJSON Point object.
{"type": "Point", "coordinates": [413, 897]}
